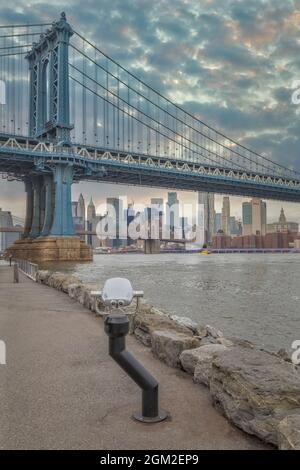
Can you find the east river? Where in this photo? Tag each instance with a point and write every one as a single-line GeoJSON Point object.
{"type": "Point", "coordinates": [249, 296]}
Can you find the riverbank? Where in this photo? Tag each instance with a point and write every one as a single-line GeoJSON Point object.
{"type": "Point", "coordinates": [256, 390]}
{"type": "Point", "coordinates": [61, 390]}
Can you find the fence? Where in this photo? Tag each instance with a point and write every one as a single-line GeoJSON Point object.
{"type": "Point", "coordinates": [29, 269]}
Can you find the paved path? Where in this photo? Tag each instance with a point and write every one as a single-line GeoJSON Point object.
{"type": "Point", "coordinates": [60, 389]}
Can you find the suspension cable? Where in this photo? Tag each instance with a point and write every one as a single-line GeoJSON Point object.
{"type": "Point", "coordinates": [182, 122]}
{"type": "Point", "coordinates": [186, 112]}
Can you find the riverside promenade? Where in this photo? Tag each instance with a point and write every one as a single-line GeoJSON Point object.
{"type": "Point", "coordinates": [61, 390]}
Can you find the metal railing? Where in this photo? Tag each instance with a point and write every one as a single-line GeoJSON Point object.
{"type": "Point", "coordinates": [26, 267]}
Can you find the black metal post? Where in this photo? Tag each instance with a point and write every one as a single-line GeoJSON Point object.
{"type": "Point", "coordinates": [117, 327]}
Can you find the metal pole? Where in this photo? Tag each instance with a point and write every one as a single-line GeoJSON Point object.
{"type": "Point", "coordinates": [16, 273]}
{"type": "Point", "coordinates": [117, 327]}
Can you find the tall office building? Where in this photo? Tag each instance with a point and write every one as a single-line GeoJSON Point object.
{"type": "Point", "coordinates": [207, 201]}
{"type": "Point", "coordinates": [226, 215]}
{"type": "Point", "coordinates": [173, 211]}
{"type": "Point", "coordinates": [157, 211]}
{"type": "Point", "coordinates": [254, 217]}
{"type": "Point", "coordinates": [114, 211]}
{"type": "Point", "coordinates": [91, 211]}
{"type": "Point", "coordinates": [81, 208]}
{"type": "Point", "coordinates": [218, 222]}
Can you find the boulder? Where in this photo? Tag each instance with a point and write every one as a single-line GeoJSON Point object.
{"type": "Point", "coordinates": [143, 337]}
{"type": "Point", "coordinates": [67, 281]}
{"type": "Point", "coordinates": [42, 276]}
{"type": "Point", "coordinates": [74, 289]}
{"type": "Point", "coordinates": [187, 322]}
{"type": "Point", "coordinates": [212, 331]}
{"type": "Point", "coordinates": [255, 390]}
{"type": "Point", "coordinates": [190, 358]}
{"type": "Point", "coordinates": [167, 345]}
{"type": "Point", "coordinates": [56, 280]}
{"type": "Point", "coordinates": [289, 433]}
{"type": "Point", "coordinates": [85, 297]}
{"type": "Point", "coordinates": [203, 368]}
{"type": "Point", "coordinates": [149, 322]}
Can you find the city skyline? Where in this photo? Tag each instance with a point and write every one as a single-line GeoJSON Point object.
{"type": "Point", "coordinates": [11, 200]}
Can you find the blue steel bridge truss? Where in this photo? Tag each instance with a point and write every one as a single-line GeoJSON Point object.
{"type": "Point", "coordinates": [72, 113]}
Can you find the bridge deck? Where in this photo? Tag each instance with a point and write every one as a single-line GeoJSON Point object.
{"type": "Point", "coordinates": [60, 389]}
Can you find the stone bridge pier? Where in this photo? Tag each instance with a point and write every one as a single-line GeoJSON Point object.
{"type": "Point", "coordinates": [48, 232]}
{"type": "Point", "coordinates": [151, 246]}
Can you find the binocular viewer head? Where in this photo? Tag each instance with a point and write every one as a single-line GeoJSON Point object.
{"type": "Point", "coordinates": [117, 292]}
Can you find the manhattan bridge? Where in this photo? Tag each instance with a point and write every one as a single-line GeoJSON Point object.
{"type": "Point", "coordinates": [72, 113]}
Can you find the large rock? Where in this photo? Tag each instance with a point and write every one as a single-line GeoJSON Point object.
{"type": "Point", "coordinates": [187, 322]}
{"type": "Point", "coordinates": [167, 345]}
{"type": "Point", "coordinates": [255, 390]}
{"type": "Point", "coordinates": [42, 276]}
{"type": "Point", "coordinates": [202, 356]}
{"type": "Point", "coordinates": [289, 433]}
{"type": "Point", "coordinates": [150, 320]}
{"type": "Point", "coordinates": [200, 364]}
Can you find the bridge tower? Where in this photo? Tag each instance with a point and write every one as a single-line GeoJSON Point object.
{"type": "Point", "coordinates": [49, 109]}
{"type": "Point", "coordinates": [49, 233]}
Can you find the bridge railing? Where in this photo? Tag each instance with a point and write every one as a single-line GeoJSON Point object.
{"type": "Point", "coordinates": [29, 269]}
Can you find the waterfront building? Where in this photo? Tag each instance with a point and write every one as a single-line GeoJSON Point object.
{"type": "Point", "coordinates": [235, 226]}
{"type": "Point", "coordinates": [157, 205]}
{"type": "Point", "coordinates": [78, 214]}
{"type": "Point", "coordinates": [283, 225]}
{"type": "Point", "coordinates": [254, 217]}
{"type": "Point", "coordinates": [114, 211]}
{"type": "Point", "coordinates": [226, 215]}
{"type": "Point", "coordinates": [173, 213]}
{"type": "Point", "coordinates": [221, 241]}
{"type": "Point", "coordinates": [218, 222]}
{"type": "Point", "coordinates": [207, 201]}
{"type": "Point", "coordinates": [7, 238]}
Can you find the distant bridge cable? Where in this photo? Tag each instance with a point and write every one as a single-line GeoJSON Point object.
{"type": "Point", "coordinates": [24, 25]}
{"type": "Point", "coordinates": [151, 127]}
{"type": "Point", "coordinates": [275, 164]}
{"type": "Point", "coordinates": [187, 126]}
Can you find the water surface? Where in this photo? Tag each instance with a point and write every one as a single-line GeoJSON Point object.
{"type": "Point", "coordinates": [251, 296]}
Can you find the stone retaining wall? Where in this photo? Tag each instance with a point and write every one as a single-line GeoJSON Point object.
{"type": "Point", "coordinates": [256, 390]}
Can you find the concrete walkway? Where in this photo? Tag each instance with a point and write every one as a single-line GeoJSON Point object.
{"type": "Point", "coordinates": [61, 390]}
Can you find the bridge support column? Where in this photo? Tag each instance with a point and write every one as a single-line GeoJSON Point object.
{"type": "Point", "coordinates": [29, 207]}
{"type": "Point", "coordinates": [37, 183]}
{"type": "Point", "coordinates": [62, 221]}
{"type": "Point", "coordinates": [151, 246]}
{"type": "Point", "coordinates": [49, 205]}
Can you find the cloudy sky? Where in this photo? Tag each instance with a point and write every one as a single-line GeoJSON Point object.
{"type": "Point", "coordinates": [233, 63]}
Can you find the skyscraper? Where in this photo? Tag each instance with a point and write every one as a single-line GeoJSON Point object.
{"type": "Point", "coordinates": [81, 207]}
{"type": "Point", "coordinates": [226, 215]}
{"type": "Point", "coordinates": [207, 201]}
{"type": "Point", "coordinates": [114, 211]}
{"type": "Point", "coordinates": [91, 211]}
{"type": "Point", "coordinates": [254, 217]}
{"type": "Point", "coordinates": [173, 212]}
